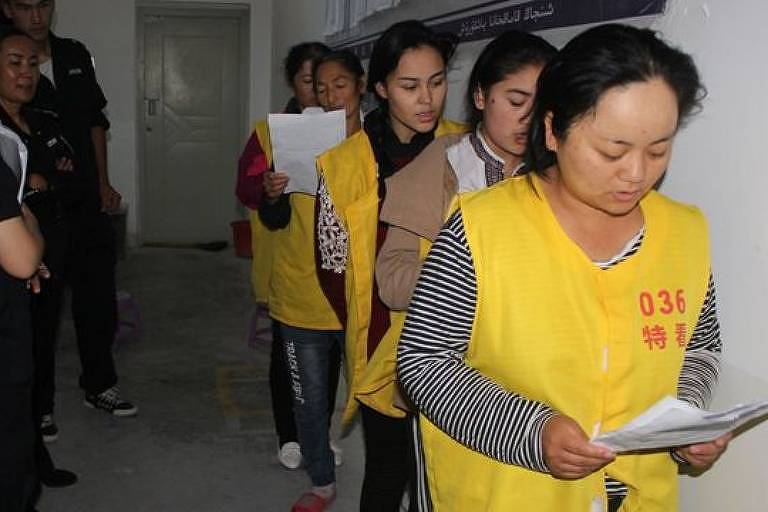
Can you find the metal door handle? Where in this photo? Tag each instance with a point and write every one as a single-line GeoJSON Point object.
{"type": "Point", "coordinates": [152, 106]}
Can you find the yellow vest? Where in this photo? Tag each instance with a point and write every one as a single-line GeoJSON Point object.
{"type": "Point", "coordinates": [378, 387]}
{"type": "Point", "coordinates": [350, 174]}
{"type": "Point", "coordinates": [261, 237]}
{"type": "Point", "coordinates": [600, 346]}
{"type": "Point", "coordinates": [295, 296]}
{"type": "Point", "coordinates": [288, 283]}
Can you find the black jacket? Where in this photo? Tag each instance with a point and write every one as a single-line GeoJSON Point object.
{"type": "Point", "coordinates": [78, 101]}
{"type": "Point", "coordinates": [45, 145]}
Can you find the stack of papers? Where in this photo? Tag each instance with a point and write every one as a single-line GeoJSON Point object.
{"type": "Point", "coordinates": [298, 139]}
{"type": "Point", "coordinates": [671, 422]}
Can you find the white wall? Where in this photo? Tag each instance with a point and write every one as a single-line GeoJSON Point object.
{"type": "Point", "coordinates": [108, 29]}
{"type": "Point", "coordinates": [719, 165]}
{"type": "Point", "coordinates": [295, 21]}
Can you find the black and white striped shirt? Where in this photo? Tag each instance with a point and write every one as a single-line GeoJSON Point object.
{"type": "Point", "coordinates": [475, 410]}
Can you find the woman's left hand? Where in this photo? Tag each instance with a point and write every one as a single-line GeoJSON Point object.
{"type": "Point", "coordinates": [703, 455]}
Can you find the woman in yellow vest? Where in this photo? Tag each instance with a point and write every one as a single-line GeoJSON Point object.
{"type": "Point", "coordinates": [298, 75]}
{"type": "Point", "coordinates": [312, 333]}
{"type": "Point", "coordinates": [499, 98]}
{"type": "Point", "coordinates": [407, 74]}
{"type": "Point", "coordinates": [565, 302]}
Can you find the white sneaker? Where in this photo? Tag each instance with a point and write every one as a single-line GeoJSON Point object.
{"type": "Point", "coordinates": [338, 454]}
{"type": "Point", "coordinates": [48, 428]}
{"type": "Point", "coordinates": [289, 455]}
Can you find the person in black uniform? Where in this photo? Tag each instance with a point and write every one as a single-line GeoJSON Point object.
{"type": "Point", "coordinates": [68, 88]}
{"type": "Point", "coordinates": [21, 248]}
{"type": "Point", "coordinates": [49, 169]}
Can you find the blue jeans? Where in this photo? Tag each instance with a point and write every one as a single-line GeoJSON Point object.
{"type": "Point", "coordinates": [308, 353]}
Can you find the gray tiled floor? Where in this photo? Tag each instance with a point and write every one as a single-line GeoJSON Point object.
{"type": "Point", "coordinates": [203, 440]}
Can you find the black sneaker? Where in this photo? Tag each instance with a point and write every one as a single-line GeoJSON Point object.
{"type": "Point", "coordinates": [58, 478]}
{"type": "Point", "coordinates": [48, 428]}
{"type": "Point", "coordinates": [111, 402]}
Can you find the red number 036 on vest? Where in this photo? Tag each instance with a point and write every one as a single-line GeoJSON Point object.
{"type": "Point", "coordinates": [664, 301]}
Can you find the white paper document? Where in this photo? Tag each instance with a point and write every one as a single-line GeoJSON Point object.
{"type": "Point", "coordinates": [671, 422]}
{"type": "Point", "coordinates": [298, 139]}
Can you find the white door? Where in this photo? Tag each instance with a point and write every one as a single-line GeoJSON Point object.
{"type": "Point", "coordinates": [193, 116]}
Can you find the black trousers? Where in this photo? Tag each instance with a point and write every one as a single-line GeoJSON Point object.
{"type": "Point", "coordinates": [17, 444]}
{"type": "Point", "coordinates": [17, 433]}
{"type": "Point", "coordinates": [80, 252]}
{"type": "Point", "coordinates": [46, 314]}
{"type": "Point", "coordinates": [91, 276]}
{"type": "Point", "coordinates": [17, 493]}
{"type": "Point", "coordinates": [282, 394]}
{"type": "Point", "coordinates": [390, 463]}
{"type": "Point", "coordinates": [46, 305]}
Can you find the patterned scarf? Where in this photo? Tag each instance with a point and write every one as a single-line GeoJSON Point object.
{"type": "Point", "coordinates": [494, 169]}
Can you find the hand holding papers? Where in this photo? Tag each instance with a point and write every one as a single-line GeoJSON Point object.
{"type": "Point", "coordinates": [671, 422]}
{"type": "Point", "coordinates": [298, 139]}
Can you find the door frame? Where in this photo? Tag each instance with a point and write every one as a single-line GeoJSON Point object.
{"type": "Point", "coordinates": [190, 9]}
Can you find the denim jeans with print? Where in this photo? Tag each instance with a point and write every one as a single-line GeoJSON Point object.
{"type": "Point", "coordinates": [308, 354]}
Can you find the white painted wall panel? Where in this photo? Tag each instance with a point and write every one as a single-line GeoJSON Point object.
{"type": "Point", "coordinates": [720, 166]}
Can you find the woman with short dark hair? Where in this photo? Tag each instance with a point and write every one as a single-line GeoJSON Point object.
{"type": "Point", "coordinates": [255, 168]}
{"type": "Point", "coordinates": [21, 250]}
{"type": "Point", "coordinates": [50, 183]}
{"type": "Point", "coordinates": [312, 334]}
{"type": "Point", "coordinates": [563, 303]}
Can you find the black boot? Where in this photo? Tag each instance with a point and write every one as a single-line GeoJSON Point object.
{"type": "Point", "coordinates": [47, 473]}
{"type": "Point", "coordinates": [58, 478]}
